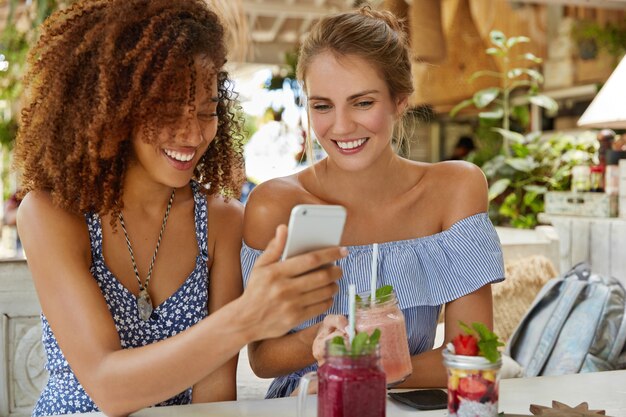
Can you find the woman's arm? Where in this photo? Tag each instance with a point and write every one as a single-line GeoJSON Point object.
{"type": "Point", "coordinates": [225, 285]}
{"type": "Point", "coordinates": [270, 204]}
{"type": "Point", "coordinates": [428, 369]}
{"type": "Point", "coordinates": [283, 355]}
{"type": "Point", "coordinates": [121, 381]}
{"type": "Point", "coordinates": [465, 184]}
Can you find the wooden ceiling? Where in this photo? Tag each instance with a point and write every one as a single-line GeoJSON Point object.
{"type": "Point", "coordinates": [276, 26]}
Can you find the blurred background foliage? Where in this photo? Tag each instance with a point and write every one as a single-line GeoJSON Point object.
{"type": "Point", "coordinates": [19, 32]}
{"type": "Point", "coordinates": [521, 166]}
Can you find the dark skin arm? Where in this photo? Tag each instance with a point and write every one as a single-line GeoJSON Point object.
{"type": "Point", "coordinates": [271, 358]}
{"type": "Point", "coordinates": [121, 381]}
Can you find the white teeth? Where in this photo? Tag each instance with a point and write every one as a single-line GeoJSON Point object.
{"type": "Point", "coordinates": [351, 144]}
{"type": "Point", "coordinates": [182, 157]}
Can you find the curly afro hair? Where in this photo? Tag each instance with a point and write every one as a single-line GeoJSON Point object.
{"type": "Point", "coordinates": [100, 69]}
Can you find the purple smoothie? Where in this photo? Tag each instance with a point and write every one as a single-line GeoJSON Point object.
{"type": "Point", "coordinates": [351, 387]}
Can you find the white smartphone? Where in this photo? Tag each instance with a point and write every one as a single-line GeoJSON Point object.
{"type": "Point", "coordinates": [313, 227]}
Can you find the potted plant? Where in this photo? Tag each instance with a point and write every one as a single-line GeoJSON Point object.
{"type": "Point", "coordinates": [520, 167]}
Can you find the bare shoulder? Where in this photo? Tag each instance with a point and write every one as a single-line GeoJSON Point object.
{"type": "Point", "coordinates": [462, 173]}
{"type": "Point", "coordinates": [38, 212]}
{"type": "Point", "coordinates": [463, 187]}
{"type": "Point", "coordinates": [225, 218]}
{"type": "Point", "coordinates": [267, 207]}
{"type": "Point", "coordinates": [46, 228]}
{"type": "Point", "coordinates": [225, 210]}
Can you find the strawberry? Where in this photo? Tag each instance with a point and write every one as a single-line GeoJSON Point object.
{"type": "Point", "coordinates": [472, 388]}
{"type": "Point", "coordinates": [465, 344]}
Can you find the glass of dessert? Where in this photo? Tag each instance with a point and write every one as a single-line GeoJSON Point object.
{"type": "Point", "coordinates": [473, 364]}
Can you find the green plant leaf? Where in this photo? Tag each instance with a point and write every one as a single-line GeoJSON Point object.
{"type": "Point", "coordinates": [514, 40]}
{"type": "Point", "coordinates": [383, 291]}
{"type": "Point", "coordinates": [461, 106]}
{"type": "Point", "coordinates": [467, 329]}
{"type": "Point", "coordinates": [485, 73]}
{"type": "Point", "coordinates": [510, 135]}
{"type": "Point", "coordinates": [491, 167]}
{"type": "Point", "coordinates": [337, 346]}
{"type": "Point", "coordinates": [338, 340]}
{"type": "Point", "coordinates": [546, 102]}
{"type": "Point", "coordinates": [537, 189]}
{"type": "Point", "coordinates": [497, 38]}
{"type": "Point", "coordinates": [364, 343]}
{"type": "Point", "coordinates": [533, 137]}
{"type": "Point", "coordinates": [488, 342]}
{"type": "Point", "coordinates": [485, 97]}
{"type": "Point", "coordinates": [374, 338]}
{"type": "Point", "coordinates": [358, 343]}
{"type": "Point", "coordinates": [513, 73]}
{"type": "Point", "coordinates": [496, 113]}
{"type": "Point", "coordinates": [519, 83]}
{"type": "Point", "coordinates": [531, 57]}
{"type": "Point", "coordinates": [495, 51]}
{"type": "Point", "coordinates": [508, 209]}
{"type": "Point", "coordinates": [517, 72]}
{"type": "Point", "coordinates": [522, 164]}
{"type": "Point", "coordinates": [534, 74]}
{"type": "Point", "coordinates": [520, 150]}
{"type": "Point", "coordinates": [529, 197]}
{"type": "Point", "coordinates": [498, 188]}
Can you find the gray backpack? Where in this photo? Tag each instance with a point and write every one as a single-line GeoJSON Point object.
{"type": "Point", "coordinates": [577, 323]}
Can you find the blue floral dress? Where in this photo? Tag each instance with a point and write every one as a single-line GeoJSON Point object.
{"type": "Point", "coordinates": [63, 394]}
{"type": "Point", "coordinates": [425, 272]}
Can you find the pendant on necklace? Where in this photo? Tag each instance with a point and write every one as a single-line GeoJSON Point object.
{"type": "Point", "coordinates": [144, 305]}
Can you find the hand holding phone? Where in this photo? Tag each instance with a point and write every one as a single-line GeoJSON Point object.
{"type": "Point", "coordinates": [313, 227]}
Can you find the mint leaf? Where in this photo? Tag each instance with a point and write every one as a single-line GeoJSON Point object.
{"type": "Point", "coordinates": [358, 343]}
{"type": "Point", "coordinates": [337, 346]}
{"type": "Point", "coordinates": [483, 331]}
{"type": "Point", "coordinates": [489, 349]}
{"type": "Point", "coordinates": [383, 292]}
{"type": "Point", "coordinates": [362, 344]}
{"type": "Point", "coordinates": [488, 342]}
{"type": "Point", "coordinates": [374, 338]}
{"type": "Point", "coordinates": [466, 328]}
{"type": "Point", "coordinates": [337, 340]}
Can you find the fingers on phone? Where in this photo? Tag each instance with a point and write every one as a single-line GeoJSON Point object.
{"type": "Point", "coordinates": [299, 265]}
{"type": "Point", "coordinates": [318, 278]}
{"type": "Point", "coordinates": [320, 295]}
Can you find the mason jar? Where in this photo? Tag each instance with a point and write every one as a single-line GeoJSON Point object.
{"type": "Point", "coordinates": [385, 314]}
{"type": "Point", "coordinates": [473, 385]}
{"type": "Point", "coordinates": [349, 385]}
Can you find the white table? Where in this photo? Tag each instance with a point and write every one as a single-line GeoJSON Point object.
{"type": "Point", "coordinates": [601, 390]}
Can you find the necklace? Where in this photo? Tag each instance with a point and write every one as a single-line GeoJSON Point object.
{"type": "Point", "coordinates": [144, 303]}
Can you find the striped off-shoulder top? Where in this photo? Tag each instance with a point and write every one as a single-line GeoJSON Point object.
{"type": "Point", "coordinates": [426, 273]}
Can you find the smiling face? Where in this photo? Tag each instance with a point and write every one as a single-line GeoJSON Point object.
{"type": "Point", "coordinates": [184, 138]}
{"type": "Point", "coordinates": [351, 110]}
